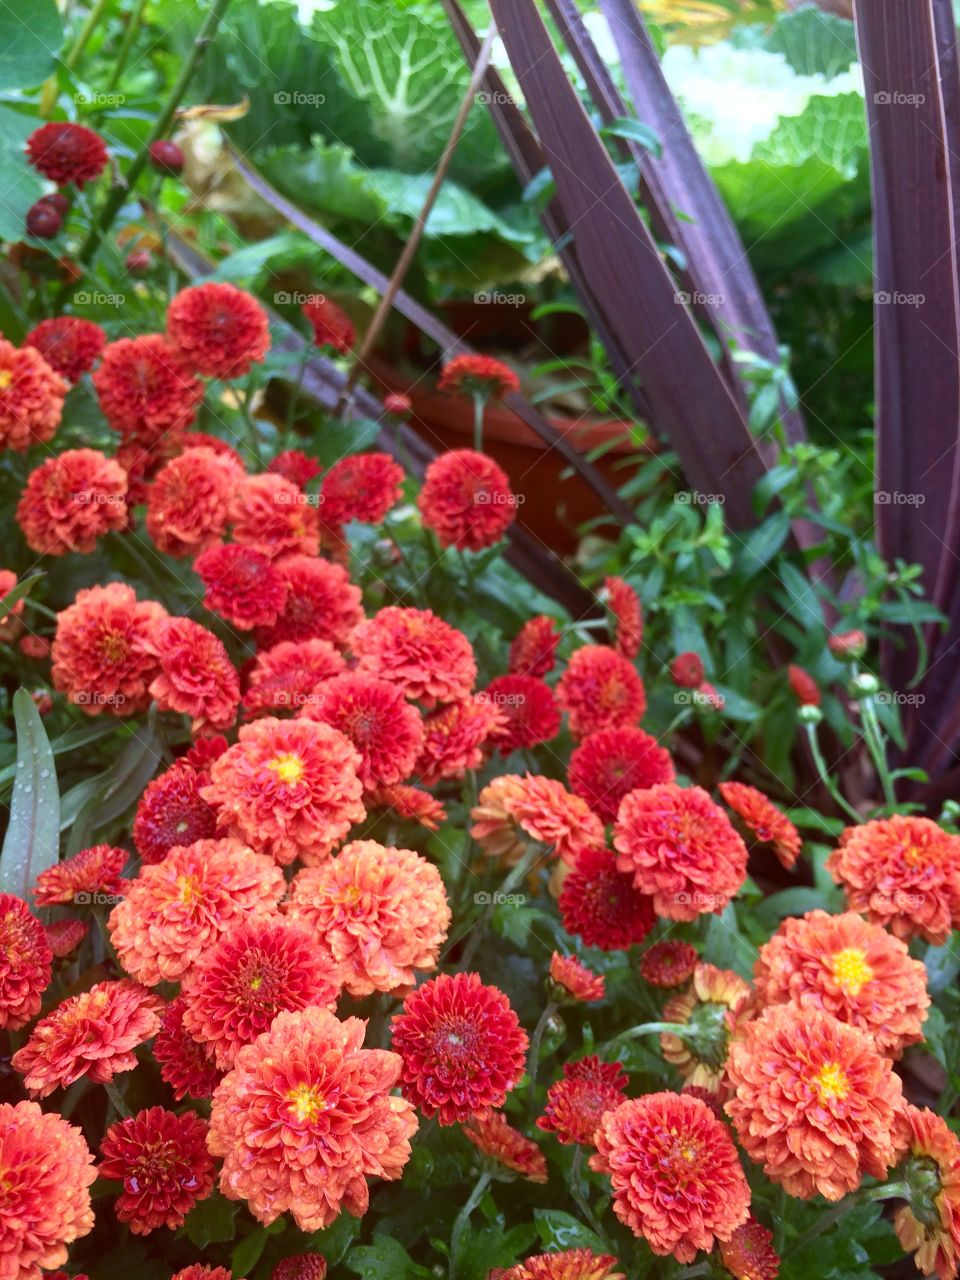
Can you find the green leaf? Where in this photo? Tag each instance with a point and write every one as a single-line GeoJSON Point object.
{"type": "Point", "coordinates": [634, 131]}
{"type": "Point", "coordinates": [15, 594]}
{"type": "Point", "coordinates": [32, 842]}
{"type": "Point", "coordinates": [814, 41]}
{"type": "Point", "coordinates": [211, 1222]}
{"type": "Point", "coordinates": [335, 439]}
{"type": "Point", "coordinates": [385, 1259]}
{"type": "Point", "coordinates": [726, 947]}
{"type": "Point", "coordinates": [247, 1253]}
{"type": "Point", "coordinates": [20, 184]}
{"type": "Point", "coordinates": [559, 1230]}
{"type": "Point", "coordinates": [334, 1241]}
{"type": "Point", "coordinates": [30, 38]}
{"type": "Point", "coordinates": [943, 964]}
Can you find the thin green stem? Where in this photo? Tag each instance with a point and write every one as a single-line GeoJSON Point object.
{"type": "Point", "coordinates": [479, 403]}
{"type": "Point", "coordinates": [515, 877]}
{"type": "Point", "coordinates": [295, 392]}
{"type": "Point", "coordinates": [75, 53]}
{"type": "Point", "coordinates": [536, 1043]}
{"type": "Point", "coordinates": [579, 1193]}
{"type": "Point", "coordinates": [824, 774]}
{"type": "Point", "coordinates": [873, 736]}
{"type": "Point", "coordinates": [126, 44]}
{"type": "Point", "coordinates": [117, 1100]}
{"type": "Point", "coordinates": [654, 1028]}
{"type": "Point", "coordinates": [463, 1217]}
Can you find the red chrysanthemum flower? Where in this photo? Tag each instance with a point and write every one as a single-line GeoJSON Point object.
{"type": "Point", "coordinates": [805, 688]}
{"type": "Point", "coordinates": [708, 698]}
{"type": "Point", "coordinates": [715, 1007]}
{"type": "Point", "coordinates": [462, 1046]}
{"type": "Point", "coordinates": [145, 390]}
{"type": "Point", "coordinates": [846, 645]}
{"type": "Point", "coordinates": [198, 1271]}
{"type": "Point", "coordinates": [749, 1253]}
{"type": "Point", "coordinates": [624, 605]}
{"type": "Point", "coordinates": [9, 623]}
{"type": "Point", "coordinates": [310, 1084]}
{"type": "Point", "coordinates": [26, 963]}
{"type": "Point", "coordinates": [531, 711]}
{"type": "Point", "coordinates": [296, 466]}
{"type": "Point", "coordinates": [852, 969]}
{"type": "Point", "coordinates": [288, 787]}
{"type": "Point", "coordinates": [398, 403]}
{"type": "Point", "coordinates": [385, 729]}
{"type": "Point", "coordinates": [188, 503]}
{"type": "Point", "coordinates": [69, 344]}
{"type": "Point", "coordinates": [612, 762]}
{"type": "Point", "coordinates": [331, 325]}
{"type": "Point", "coordinates": [271, 514]}
{"type": "Point", "coordinates": [65, 936]}
{"type": "Point", "coordinates": [423, 655]}
{"type": "Point", "coordinates": [761, 816]}
{"type": "Point", "coordinates": [202, 753]}
{"type": "Point", "coordinates": [175, 910]}
{"type": "Point", "coordinates": [815, 1103]}
{"type": "Point", "coordinates": [902, 872]}
{"type": "Point", "coordinates": [565, 1264]}
{"type": "Point", "coordinates": [669, 963]}
{"type": "Point", "coordinates": [495, 1138]}
{"type": "Point", "coordinates": [172, 812]}
{"type": "Point", "coordinates": [362, 486]}
{"type": "Point", "coordinates": [31, 397]}
{"type": "Point", "coordinates": [574, 1105]}
{"type": "Point", "coordinates": [686, 670]}
{"type": "Point", "coordinates": [103, 653]}
{"type": "Point", "coordinates": [196, 676]}
{"type": "Point", "coordinates": [600, 690]}
{"type": "Point", "coordinates": [46, 1170]}
{"type": "Point", "coordinates": [219, 330]}
{"type": "Point", "coordinates": [466, 500]}
{"type": "Point", "coordinates": [161, 1159]}
{"type": "Point", "coordinates": [681, 848]}
{"type": "Point", "coordinates": [676, 1176]}
{"type": "Point", "coordinates": [541, 808]}
{"type": "Point", "coordinates": [35, 647]}
{"type": "Point", "coordinates": [478, 376]}
{"type": "Point", "coordinates": [599, 904]}
{"type": "Point", "coordinates": [322, 604]}
{"type": "Point", "coordinates": [260, 968]}
{"type": "Point", "coordinates": [242, 585]}
{"type": "Point", "coordinates": [185, 1066]}
{"type": "Point", "coordinates": [379, 914]}
{"type": "Point", "coordinates": [66, 152]}
{"type": "Point", "coordinates": [574, 980]}
{"type": "Point", "coordinates": [929, 1224]}
{"type": "Point", "coordinates": [92, 1034]}
{"type": "Point", "coordinates": [454, 737]}
{"type": "Point", "coordinates": [288, 676]}
{"type": "Point", "coordinates": [533, 651]}
{"type": "Point", "coordinates": [300, 1266]}
{"type": "Point", "coordinates": [71, 501]}
{"type": "Point", "coordinates": [92, 874]}
{"type": "Point", "coordinates": [203, 440]}
{"type": "Point", "coordinates": [410, 804]}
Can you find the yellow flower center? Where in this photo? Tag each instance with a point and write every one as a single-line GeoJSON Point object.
{"type": "Point", "coordinates": [6, 377]}
{"type": "Point", "coordinates": [831, 1082]}
{"type": "Point", "coordinates": [913, 856]}
{"type": "Point", "coordinates": [851, 970]}
{"type": "Point", "coordinates": [306, 1102]}
{"type": "Point", "coordinates": [188, 888]}
{"type": "Point", "coordinates": [288, 767]}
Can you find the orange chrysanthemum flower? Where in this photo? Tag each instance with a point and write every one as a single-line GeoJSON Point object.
{"type": "Point", "coordinates": [681, 848]}
{"type": "Point", "coordinates": [242, 586]}
{"type": "Point", "coordinates": [161, 1159]}
{"type": "Point", "coordinates": [46, 1170]}
{"type": "Point", "coordinates": [379, 914]}
{"type": "Point", "coordinates": [176, 910]}
{"type": "Point", "coordinates": [300, 1266]}
{"type": "Point", "coordinates": [850, 968]}
{"type": "Point", "coordinates": [64, 936]}
{"type": "Point", "coordinates": [219, 330]}
{"type": "Point", "coordinates": [497, 1139]}
{"type": "Point", "coordinates": [10, 622]}
{"type": "Point", "coordinates": [574, 981]}
{"type": "Point", "coordinates": [322, 604]}
{"type": "Point", "coordinates": [462, 1047]}
{"type": "Point", "coordinates": [327, 1104]}
{"type": "Point", "coordinates": [272, 515]}
{"type": "Point", "coordinates": [611, 762]}
{"type": "Point", "coordinates": [902, 872]}
{"type": "Point", "coordinates": [90, 875]}
{"type": "Point", "coordinates": [386, 730]}
{"type": "Point", "coordinates": [749, 1253]}
{"type": "Point", "coordinates": [70, 345]}
{"type": "Point", "coordinates": [676, 1176]}
{"type": "Point", "coordinates": [288, 676]}
{"type": "Point", "coordinates": [624, 605]}
{"type": "Point", "coordinates": [185, 1065]}
{"type": "Point", "coordinates": [454, 737]}
{"type": "Point", "coordinates": [410, 804]}
{"type": "Point", "coordinates": [72, 500]}
{"type": "Point", "coordinates": [538, 807]}
{"type": "Point", "coordinates": [600, 690]}
{"type": "Point", "coordinates": [331, 325]}
{"type": "Point", "coordinates": [533, 651]}
{"type": "Point", "coordinates": [599, 903]}
{"type": "Point", "coordinates": [289, 787]}
{"type": "Point", "coordinates": [471, 375]}
{"type": "Point", "coordinates": [198, 1271]}
{"type": "Point", "coordinates": [145, 389]}
{"type": "Point", "coordinates": [262, 967]}
{"type": "Point", "coordinates": [805, 688]}
{"type": "Point", "coordinates": [363, 487]}
{"type": "Point", "coordinates": [466, 500]}
{"type": "Point", "coordinates": [669, 963]}
{"type": "Point", "coordinates": [814, 1101]}
{"type": "Point", "coordinates": [714, 1008]}
{"type": "Point", "coordinates": [576, 1103]}
{"type": "Point", "coordinates": [188, 504]}
{"type": "Point", "coordinates": [31, 397]}
{"type": "Point", "coordinates": [417, 651]}
{"type": "Point", "coordinates": [25, 965]}
{"type": "Point", "coordinates": [92, 1034]}
{"type": "Point", "coordinates": [103, 653]}
{"type": "Point", "coordinates": [928, 1225]}
{"type": "Point", "coordinates": [761, 816]}
{"type": "Point", "coordinates": [196, 676]}
{"type": "Point", "coordinates": [171, 812]}
{"type": "Point", "coordinates": [566, 1264]}
{"type": "Point", "coordinates": [66, 152]}
{"type": "Point", "coordinates": [530, 710]}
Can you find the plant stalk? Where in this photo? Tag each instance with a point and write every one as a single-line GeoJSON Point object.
{"type": "Point", "coordinates": [463, 1217]}
{"type": "Point", "coordinates": [126, 45]}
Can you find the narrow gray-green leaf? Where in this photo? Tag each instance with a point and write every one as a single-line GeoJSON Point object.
{"type": "Point", "coordinates": [32, 842]}
{"type": "Point", "coordinates": [16, 594]}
